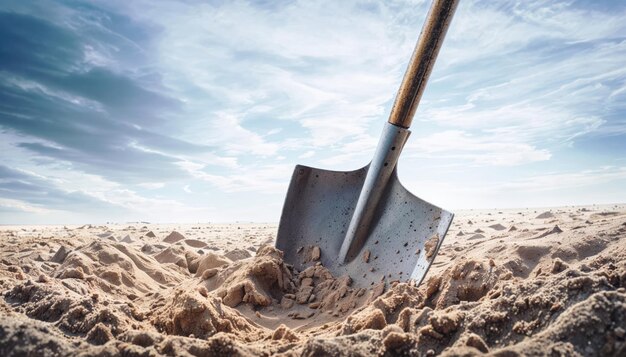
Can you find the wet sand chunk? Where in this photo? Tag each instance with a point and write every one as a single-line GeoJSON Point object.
{"type": "Point", "coordinates": [366, 256]}
{"type": "Point", "coordinates": [431, 245]}
{"type": "Point", "coordinates": [316, 254]}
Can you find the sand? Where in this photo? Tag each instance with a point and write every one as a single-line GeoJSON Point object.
{"type": "Point", "coordinates": [505, 282]}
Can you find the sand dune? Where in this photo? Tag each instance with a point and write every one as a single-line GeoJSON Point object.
{"type": "Point", "coordinates": [506, 282]}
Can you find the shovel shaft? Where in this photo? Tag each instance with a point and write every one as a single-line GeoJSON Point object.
{"type": "Point", "coordinates": [396, 131]}
{"type": "Point", "coordinates": [379, 172]}
{"type": "Point", "coordinates": [422, 62]}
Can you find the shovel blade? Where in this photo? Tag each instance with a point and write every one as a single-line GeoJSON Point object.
{"type": "Point", "coordinates": [317, 212]}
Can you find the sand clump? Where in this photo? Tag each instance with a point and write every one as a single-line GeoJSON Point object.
{"type": "Point", "coordinates": [467, 280]}
{"type": "Point", "coordinates": [431, 246]}
{"type": "Point", "coordinates": [252, 283]}
{"type": "Point", "coordinates": [115, 268]}
{"type": "Point", "coordinates": [179, 256]}
{"type": "Point", "coordinates": [265, 280]}
{"type": "Point", "coordinates": [60, 255]}
{"type": "Point", "coordinates": [190, 313]}
{"type": "Point", "coordinates": [238, 254]}
{"type": "Point", "coordinates": [533, 290]}
{"type": "Point", "coordinates": [211, 261]}
{"type": "Point", "coordinates": [71, 312]}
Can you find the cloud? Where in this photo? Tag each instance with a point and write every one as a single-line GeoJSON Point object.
{"type": "Point", "coordinates": [482, 150]}
{"type": "Point", "coordinates": [228, 133]}
{"type": "Point", "coordinates": [301, 63]}
{"type": "Point", "coordinates": [307, 154]}
{"type": "Point", "coordinates": [91, 116]}
{"type": "Point", "coordinates": [10, 206]}
{"type": "Point", "coordinates": [520, 81]}
{"type": "Point", "coordinates": [152, 185]}
{"type": "Point", "coordinates": [34, 192]}
{"type": "Point", "coordinates": [127, 102]}
{"type": "Point", "coordinates": [596, 185]}
{"type": "Point", "coordinates": [26, 192]}
{"type": "Point", "coordinates": [261, 179]}
{"type": "Point", "coordinates": [566, 180]}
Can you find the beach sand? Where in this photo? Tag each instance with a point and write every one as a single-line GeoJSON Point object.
{"type": "Point", "coordinates": [505, 282]}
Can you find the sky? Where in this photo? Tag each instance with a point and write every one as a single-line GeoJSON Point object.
{"type": "Point", "coordinates": [198, 111]}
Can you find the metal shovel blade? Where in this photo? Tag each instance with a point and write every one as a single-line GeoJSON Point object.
{"type": "Point", "coordinates": [364, 222]}
{"type": "Point", "coordinates": [318, 210]}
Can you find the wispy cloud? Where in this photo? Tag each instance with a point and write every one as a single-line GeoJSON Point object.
{"type": "Point", "coordinates": [483, 150]}
{"type": "Point", "coordinates": [116, 106]}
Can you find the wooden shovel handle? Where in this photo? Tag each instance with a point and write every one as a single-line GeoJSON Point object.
{"type": "Point", "coordinates": [422, 62]}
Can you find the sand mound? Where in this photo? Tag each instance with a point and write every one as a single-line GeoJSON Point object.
{"type": "Point", "coordinates": [180, 257]}
{"type": "Point", "coordinates": [468, 280]}
{"type": "Point", "coordinates": [70, 311]}
{"type": "Point", "coordinates": [210, 262]}
{"type": "Point", "coordinates": [172, 255]}
{"type": "Point", "coordinates": [497, 227]}
{"type": "Point", "coordinates": [573, 312]}
{"type": "Point", "coordinates": [60, 255]}
{"type": "Point", "coordinates": [150, 249]}
{"type": "Point", "coordinates": [113, 266]}
{"type": "Point", "coordinates": [238, 254]}
{"type": "Point", "coordinates": [384, 310]}
{"type": "Point", "coordinates": [173, 237]}
{"type": "Point", "coordinates": [545, 215]}
{"type": "Point", "coordinates": [266, 282]}
{"type": "Point", "coordinates": [548, 311]}
{"type": "Point", "coordinates": [190, 313]}
{"type": "Point", "coordinates": [604, 215]}
{"type": "Point", "coordinates": [256, 282]}
{"type": "Point", "coordinates": [49, 342]}
{"type": "Point", "coordinates": [195, 243]}
{"type": "Point", "coordinates": [554, 230]}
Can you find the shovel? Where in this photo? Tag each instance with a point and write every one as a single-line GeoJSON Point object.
{"type": "Point", "coordinates": [364, 223]}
